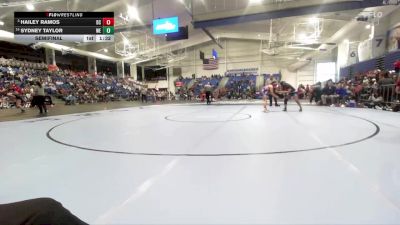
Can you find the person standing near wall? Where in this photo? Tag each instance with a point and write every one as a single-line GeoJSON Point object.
{"type": "Point", "coordinates": [39, 95]}
{"type": "Point", "coordinates": [208, 89]}
{"type": "Point", "coordinates": [143, 92]}
{"type": "Point", "coordinates": [316, 92]}
{"type": "Point", "coordinates": [271, 93]}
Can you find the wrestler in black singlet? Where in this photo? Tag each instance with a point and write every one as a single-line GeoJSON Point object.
{"type": "Point", "coordinates": [291, 93]}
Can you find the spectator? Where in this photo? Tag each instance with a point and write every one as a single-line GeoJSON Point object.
{"type": "Point", "coordinates": [70, 99]}
{"type": "Point", "coordinates": [301, 91]}
{"type": "Point", "coordinates": [385, 79]}
{"type": "Point", "coordinates": [316, 93]}
{"type": "Point", "coordinates": [143, 92]}
{"type": "Point", "coordinates": [342, 92]}
{"type": "Point", "coordinates": [397, 66]}
{"type": "Point", "coordinates": [375, 100]}
{"type": "Point", "coordinates": [385, 89]}
{"type": "Point", "coordinates": [329, 91]}
{"type": "Point", "coordinates": [307, 91]}
{"type": "Point", "coordinates": [16, 94]}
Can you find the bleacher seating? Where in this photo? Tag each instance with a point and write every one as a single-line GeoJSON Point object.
{"type": "Point", "coordinates": [80, 85]}
{"type": "Point", "coordinates": [200, 82]}
{"type": "Point", "coordinates": [237, 84]}
{"type": "Point", "coordinates": [362, 67]}
{"type": "Point", "coordinates": [390, 59]}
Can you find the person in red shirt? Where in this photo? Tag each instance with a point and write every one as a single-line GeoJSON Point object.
{"type": "Point", "coordinates": [398, 85]}
{"type": "Point", "coordinates": [397, 66]}
{"type": "Point", "coordinates": [15, 93]}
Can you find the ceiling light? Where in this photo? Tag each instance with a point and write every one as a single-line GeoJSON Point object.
{"type": "Point", "coordinates": [346, 40]}
{"type": "Point", "coordinates": [1, 23]}
{"type": "Point", "coordinates": [302, 36]}
{"type": "Point", "coordinates": [105, 50]}
{"type": "Point", "coordinates": [133, 12]}
{"type": "Point", "coordinates": [30, 6]}
{"type": "Point", "coordinates": [313, 20]}
{"type": "Point", "coordinates": [368, 26]}
{"type": "Point", "coordinates": [251, 2]}
{"type": "Point", "coordinates": [126, 41]}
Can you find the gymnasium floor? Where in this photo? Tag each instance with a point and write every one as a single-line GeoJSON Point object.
{"type": "Point", "coordinates": [219, 164]}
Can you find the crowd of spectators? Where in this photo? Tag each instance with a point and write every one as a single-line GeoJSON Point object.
{"type": "Point", "coordinates": [16, 63]}
{"type": "Point", "coordinates": [195, 92]}
{"type": "Point", "coordinates": [69, 86]}
{"type": "Point", "coordinates": [374, 89]}
{"type": "Point", "coordinates": [237, 87]}
{"type": "Point", "coordinates": [241, 87]}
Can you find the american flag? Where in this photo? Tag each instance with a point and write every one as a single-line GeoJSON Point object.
{"type": "Point", "coordinates": [210, 64]}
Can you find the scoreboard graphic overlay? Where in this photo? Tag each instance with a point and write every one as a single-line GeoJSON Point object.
{"type": "Point", "coordinates": [64, 26]}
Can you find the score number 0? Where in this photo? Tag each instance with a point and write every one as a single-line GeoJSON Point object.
{"type": "Point", "coordinates": [108, 21]}
{"type": "Point", "coordinates": [105, 22]}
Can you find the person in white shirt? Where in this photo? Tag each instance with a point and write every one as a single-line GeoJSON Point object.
{"type": "Point", "coordinates": [208, 89]}
{"type": "Point", "coordinates": [38, 98]}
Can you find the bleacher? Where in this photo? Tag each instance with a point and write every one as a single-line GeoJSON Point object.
{"type": "Point", "coordinates": [362, 67]}
{"type": "Point", "coordinates": [390, 59]}
{"type": "Point", "coordinates": [245, 81]}
{"type": "Point", "coordinates": [237, 83]}
{"type": "Point", "coordinates": [63, 83]}
{"type": "Point", "coordinates": [200, 82]}
{"type": "Point", "coordinates": [186, 81]}
{"type": "Point", "coordinates": [275, 76]}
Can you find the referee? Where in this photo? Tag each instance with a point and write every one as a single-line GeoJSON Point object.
{"type": "Point", "coordinates": [208, 89]}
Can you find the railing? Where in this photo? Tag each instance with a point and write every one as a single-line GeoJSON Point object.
{"type": "Point", "coordinates": [389, 93]}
